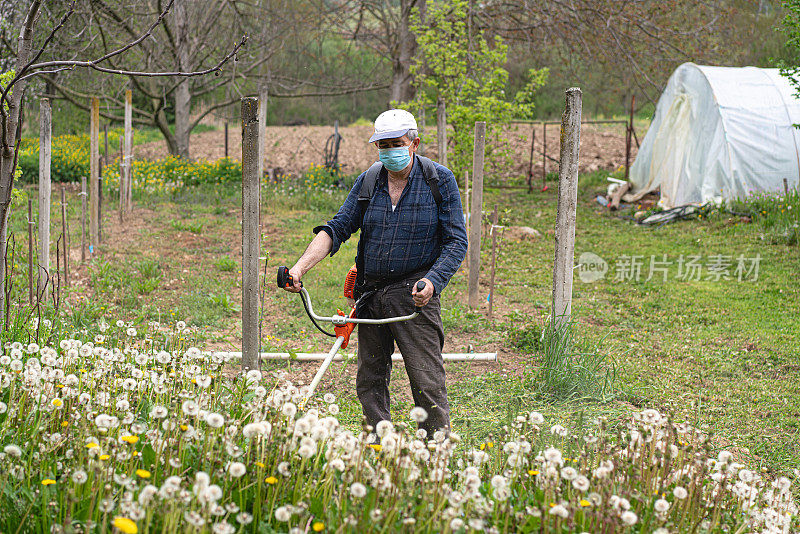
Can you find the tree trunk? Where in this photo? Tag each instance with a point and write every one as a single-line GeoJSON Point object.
{"type": "Point", "coordinates": [183, 96]}
{"type": "Point", "coordinates": [401, 89]}
{"type": "Point", "coordinates": [8, 150]}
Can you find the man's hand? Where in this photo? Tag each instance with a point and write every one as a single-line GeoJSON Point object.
{"type": "Point", "coordinates": [421, 298]}
{"type": "Point", "coordinates": [295, 273]}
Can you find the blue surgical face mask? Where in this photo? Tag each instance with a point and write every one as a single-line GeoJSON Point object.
{"type": "Point", "coordinates": [395, 159]}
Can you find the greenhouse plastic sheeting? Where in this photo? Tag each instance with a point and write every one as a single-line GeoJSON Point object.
{"type": "Point", "coordinates": [720, 133]}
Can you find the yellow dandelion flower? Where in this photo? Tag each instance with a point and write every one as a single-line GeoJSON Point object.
{"type": "Point", "coordinates": [130, 439]}
{"type": "Point", "coordinates": [125, 525]}
{"type": "Point", "coordinates": [64, 424]}
{"type": "Point", "coordinates": [184, 427]}
{"type": "Point", "coordinates": [104, 456]}
{"type": "Point", "coordinates": [58, 403]}
{"type": "Point", "coordinates": [584, 503]}
{"type": "Point", "coordinates": [261, 465]}
{"type": "Point", "coordinates": [533, 472]}
{"type": "Point", "coordinates": [376, 448]}
{"type": "Point", "coordinates": [143, 473]}
{"type": "Point", "coordinates": [91, 445]}
{"type": "Point", "coordinates": [48, 481]}
{"type": "Point", "coordinates": [490, 444]}
{"type": "Point", "coordinates": [318, 526]}
{"type": "Point", "coordinates": [271, 480]}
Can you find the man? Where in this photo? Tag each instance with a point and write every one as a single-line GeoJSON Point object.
{"type": "Point", "coordinates": [412, 230]}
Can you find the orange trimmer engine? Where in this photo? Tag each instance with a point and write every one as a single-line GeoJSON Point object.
{"type": "Point", "coordinates": [350, 282]}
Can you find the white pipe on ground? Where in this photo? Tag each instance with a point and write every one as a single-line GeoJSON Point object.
{"type": "Point", "coordinates": [396, 357]}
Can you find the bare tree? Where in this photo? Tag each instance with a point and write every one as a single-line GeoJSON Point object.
{"type": "Point", "coordinates": [28, 64]}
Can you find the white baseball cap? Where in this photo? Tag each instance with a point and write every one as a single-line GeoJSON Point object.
{"type": "Point", "coordinates": [393, 123]}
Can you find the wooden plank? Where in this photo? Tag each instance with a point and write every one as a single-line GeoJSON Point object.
{"type": "Point", "coordinates": [94, 172]}
{"type": "Point", "coordinates": [475, 215]}
{"type": "Point", "coordinates": [251, 226]}
{"type": "Point", "coordinates": [83, 218]}
{"type": "Point", "coordinates": [263, 102]}
{"type": "Point", "coordinates": [617, 196]}
{"type": "Point", "coordinates": [567, 207]}
{"type": "Point", "coordinates": [493, 231]}
{"type": "Point", "coordinates": [45, 191]}
{"type": "Point", "coordinates": [31, 253]}
{"type": "Point", "coordinates": [65, 233]}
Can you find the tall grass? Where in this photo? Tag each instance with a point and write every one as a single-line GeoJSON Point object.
{"type": "Point", "coordinates": [572, 369]}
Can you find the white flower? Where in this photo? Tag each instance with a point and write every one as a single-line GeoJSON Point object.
{"type": "Point", "coordinates": [329, 398]}
{"type": "Point", "coordinates": [158, 412]}
{"type": "Point", "coordinates": [305, 451]}
{"type": "Point", "coordinates": [383, 427]}
{"type": "Point", "coordinates": [333, 409]}
{"type": "Point", "coordinates": [456, 524]}
{"type": "Point", "coordinates": [203, 381]}
{"type": "Point", "coordinates": [244, 518]}
{"type": "Point", "coordinates": [289, 410]}
{"type": "Point", "coordinates": [553, 456]}
{"type": "Point", "coordinates": [358, 490]}
{"type": "Point", "coordinates": [536, 418]}
{"type": "Point", "coordinates": [283, 514]}
{"type": "Point", "coordinates": [163, 357]}
{"type": "Point", "coordinates": [558, 430]}
{"type": "Point", "coordinates": [559, 511]}
{"type": "Point", "coordinates": [661, 505]}
{"type": "Point", "coordinates": [79, 476]}
{"type": "Point", "coordinates": [581, 483]}
{"type": "Point", "coordinates": [214, 420]}
{"type": "Point", "coordinates": [261, 428]}
{"type": "Point", "coordinates": [629, 518]}
{"type": "Point", "coordinates": [223, 528]}
{"type": "Point", "coordinates": [131, 332]}
{"type": "Point", "coordinates": [236, 469]}
{"type": "Point", "coordinates": [194, 518]}
{"type": "Point", "coordinates": [569, 473]}
{"type": "Point", "coordinates": [498, 481]}
{"type": "Point", "coordinates": [13, 451]}
{"type": "Point", "coordinates": [418, 414]}
{"type": "Point", "coordinates": [376, 514]}
{"type": "Point", "coordinates": [147, 494]}
{"type": "Point", "coordinates": [190, 408]}
{"type": "Point", "coordinates": [680, 493]}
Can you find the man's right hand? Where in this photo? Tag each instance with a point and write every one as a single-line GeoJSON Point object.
{"type": "Point", "coordinates": [295, 273]}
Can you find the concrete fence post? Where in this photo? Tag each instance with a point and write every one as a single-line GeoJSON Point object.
{"type": "Point", "coordinates": [251, 230]}
{"type": "Point", "coordinates": [45, 191]}
{"type": "Point", "coordinates": [567, 207]}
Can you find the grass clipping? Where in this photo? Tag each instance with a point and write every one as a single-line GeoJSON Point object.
{"type": "Point", "coordinates": [133, 429]}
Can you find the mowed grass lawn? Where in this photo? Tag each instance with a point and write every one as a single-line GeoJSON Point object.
{"type": "Point", "coordinates": [716, 353]}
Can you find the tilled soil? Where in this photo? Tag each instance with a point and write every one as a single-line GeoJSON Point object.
{"type": "Point", "coordinates": [293, 149]}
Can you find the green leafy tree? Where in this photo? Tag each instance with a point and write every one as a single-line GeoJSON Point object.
{"type": "Point", "coordinates": [791, 27]}
{"type": "Point", "coordinates": [467, 72]}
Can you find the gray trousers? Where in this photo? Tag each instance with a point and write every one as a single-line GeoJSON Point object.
{"type": "Point", "coordinates": [419, 340]}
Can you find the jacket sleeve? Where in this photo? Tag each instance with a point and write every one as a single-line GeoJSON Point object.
{"type": "Point", "coordinates": [452, 230]}
{"type": "Point", "coordinates": [346, 221]}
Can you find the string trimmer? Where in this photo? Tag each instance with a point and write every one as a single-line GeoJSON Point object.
{"type": "Point", "coordinates": [343, 325]}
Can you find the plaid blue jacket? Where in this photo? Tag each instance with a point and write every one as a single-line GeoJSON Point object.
{"type": "Point", "coordinates": [417, 235]}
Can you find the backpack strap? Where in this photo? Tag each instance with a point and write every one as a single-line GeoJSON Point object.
{"type": "Point", "coordinates": [431, 178]}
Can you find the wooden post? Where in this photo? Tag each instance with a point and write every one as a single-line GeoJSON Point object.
{"type": "Point", "coordinates": [544, 155]}
{"type": "Point", "coordinates": [226, 139]}
{"type": "Point", "coordinates": [65, 240]}
{"type": "Point", "coordinates": [530, 163]}
{"type": "Point", "coordinates": [250, 234]}
{"type": "Point", "coordinates": [567, 207]}
{"type": "Point", "coordinates": [105, 152]}
{"type": "Point", "coordinates": [263, 102]}
{"type": "Point", "coordinates": [99, 201]}
{"type": "Point", "coordinates": [83, 218]}
{"type": "Point", "coordinates": [45, 188]}
{"type": "Point", "coordinates": [493, 231]}
{"type": "Point", "coordinates": [30, 251]}
{"type": "Point", "coordinates": [477, 204]}
{"type": "Point", "coordinates": [94, 194]}
{"type": "Point", "coordinates": [629, 137]}
{"type": "Point", "coordinates": [127, 156]}
{"type": "Point", "coordinates": [785, 187]}
{"type": "Point", "coordinates": [123, 188]}
{"type": "Point", "coordinates": [441, 131]}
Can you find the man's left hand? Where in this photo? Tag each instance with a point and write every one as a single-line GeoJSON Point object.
{"type": "Point", "coordinates": [421, 298]}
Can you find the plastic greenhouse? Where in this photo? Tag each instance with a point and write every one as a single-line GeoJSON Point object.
{"type": "Point", "coordinates": [720, 133]}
